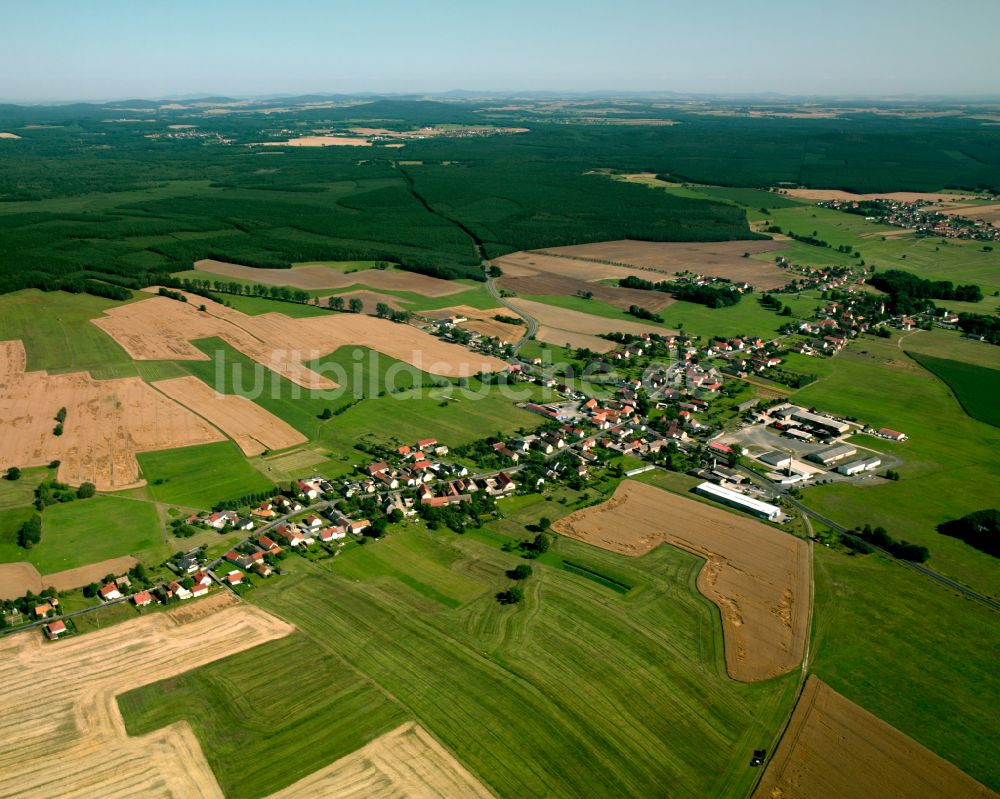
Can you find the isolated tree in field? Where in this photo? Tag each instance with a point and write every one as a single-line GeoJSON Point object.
{"type": "Point", "coordinates": [541, 543]}
{"type": "Point", "coordinates": [336, 303]}
{"type": "Point", "coordinates": [544, 523]}
{"type": "Point", "coordinates": [382, 310]}
{"type": "Point", "coordinates": [61, 415]}
{"type": "Point", "coordinates": [86, 490]}
{"type": "Point", "coordinates": [57, 430]}
{"type": "Point", "coordinates": [355, 305]}
{"type": "Point", "coordinates": [326, 414]}
{"type": "Point", "coordinates": [511, 596]}
{"type": "Point", "coordinates": [30, 532]}
{"type": "Point", "coordinates": [91, 590]}
{"type": "Point", "coordinates": [520, 572]}
{"type": "Point", "coordinates": [13, 473]}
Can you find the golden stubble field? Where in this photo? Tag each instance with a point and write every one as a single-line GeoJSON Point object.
{"type": "Point", "coordinates": [62, 734]}
{"type": "Point", "coordinates": [107, 422]}
{"type": "Point", "coordinates": [163, 329]}
{"type": "Point", "coordinates": [834, 749]}
{"type": "Point", "coordinates": [758, 577]}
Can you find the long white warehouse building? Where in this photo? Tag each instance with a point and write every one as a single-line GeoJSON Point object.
{"type": "Point", "coordinates": [735, 499]}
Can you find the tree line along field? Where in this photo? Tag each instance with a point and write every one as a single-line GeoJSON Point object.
{"type": "Point", "coordinates": [551, 698]}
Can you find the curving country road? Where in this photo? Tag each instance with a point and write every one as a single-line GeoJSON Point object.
{"type": "Point", "coordinates": [495, 293]}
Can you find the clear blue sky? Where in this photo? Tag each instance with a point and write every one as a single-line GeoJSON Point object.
{"type": "Point", "coordinates": [103, 49]}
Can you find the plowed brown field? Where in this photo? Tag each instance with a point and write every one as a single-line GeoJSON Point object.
{"type": "Point", "coordinates": [834, 749]}
{"type": "Point", "coordinates": [63, 735]}
{"type": "Point", "coordinates": [716, 259]}
{"type": "Point", "coordinates": [319, 276]}
{"type": "Point", "coordinates": [248, 424]}
{"type": "Point", "coordinates": [107, 422]}
{"type": "Point", "coordinates": [758, 576]}
{"type": "Point", "coordinates": [406, 762]}
{"type": "Point", "coordinates": [162, 329]}
{"type": "Point", "coordinates": [560, 326]}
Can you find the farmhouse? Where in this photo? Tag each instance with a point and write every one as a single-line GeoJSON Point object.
{"type": "Point", "coordinates": [859, 466]}
{"type": "Point", "coordinates": [41, 611]}
{"type": "Point", "coordinates": [109, 592]}
{"type": "Point", "coordinates": [54, 629]}
{"type": "Point", "coordinates": [178, 590]}
{"type": "Point", "coordinates": [142, 599]}
{"type": "Point", "coordinates": [740, 501]}
{"type": "Point", "coordinates": [833, 454]}
{"type": "Point", "coordinates": [892, 435]}
{"type": "Point", "coordinates": [234, 577]}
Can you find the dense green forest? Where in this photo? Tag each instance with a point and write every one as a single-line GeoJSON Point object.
{"type": "Point", "coordinates": [87, 197]}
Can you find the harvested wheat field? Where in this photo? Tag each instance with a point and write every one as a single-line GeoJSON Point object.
{"type": "Point", "coordinates": [253, 428]}
{"type": "Point", "coordinates": [406, 762]}
{"type": "Point", "coordinates": [482, 321]}
{"type": "Point", "coordinates": [162, 329]}
{"type": "Point", "coordinates": [319, 141]}
{"type": "Point", "coordinates": [107, 422]}
{"type": "Point", "coordinates": [16, 579]}
{"type": "Point", "coordinates": [986, 213]}
{"type": "Point", "coordinates": [715, 259]}
{"type": "Point", "coordinates": [320, 276]}
{"type": "Point", "coordinates": [903, 196]}
{"type": "Point", "coordinates": [758, 576]}
{"type": "Point", "coordinates": [834, 749]}
{"type": "Point", "coordinates": [63, 731]}
{"type": "Point", "coordinates": [561, 326]}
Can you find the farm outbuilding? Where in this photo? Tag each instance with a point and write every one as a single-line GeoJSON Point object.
{"type": "Point", "coordinates": [735, 499]}
{"type": "Point", "coordinates": [776, 458]}
{"type": "Point", "coordinates": [833, 454]}
{"type": "Point", "coordinates": [858, 466]}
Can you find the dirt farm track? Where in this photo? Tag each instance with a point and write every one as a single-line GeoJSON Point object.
{"type": "Point", "coordinates": [756, 575]}
{"type": "Point", "coordinates": [834, 749]}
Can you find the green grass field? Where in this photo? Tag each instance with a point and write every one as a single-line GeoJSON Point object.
{"type": "Point", "coordinates": [86, 531]}
{"type": "Point", "coordinates": [578, 691]}
{"type": "Point", "coordinates": [270, 715]}
{"type": "Point", "coordinates": [913, 653]}
{"type": "Point", "coordinates": [949, 461]}
{"type": "Point", "coordinates": [200, 476]}
{"type": "Point", "coordinates": [933, 258]}
{"type": "Point", "coordinates": [58, 335]}
{"type": "Point", "coordinates": [976, 388]}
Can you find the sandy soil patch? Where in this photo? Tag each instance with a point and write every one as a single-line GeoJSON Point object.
{"type": "Point", "coordinates": [254, 429]}
{"type": "Point", "coordinates": [160, 328]}
{"type": "Point", "coordinates": [717, 259]}
{"type": "Point", "coordinates": [318, 276]}
{"type": "Point", "coordinates": [560, 326]}
{"type": "Point", "coordinates": [318, 141]}
{"type": "Point", "coordinates": [9, 136]}
{"type": "Point", "coordinates": [63, 731]}
{"type": "Point", "coordinates": [902, 196]}
{"type": "Point", "coordinates": [834, 749]}
{"type": "Point", "coordinates": [107, 422]}
{"type": "Point", "coordinates": [16, 579]}
{"type": "Point", "coordinates": [369, 300]}
{"type": "Point", "coordinates": [406, 762]}
{"type": "Point", "coordinates": [758, 576]}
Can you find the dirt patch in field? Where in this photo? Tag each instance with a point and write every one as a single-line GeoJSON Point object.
{"type": "Point", "coordinates": [254, 429]}
{"type": "Point", "coordinates": [555, 286]}
{"type": "Point", "coordinates": [560, 326]}
{"type": "Point", "coordinates": [319, 276]}
{"type": "Point", "coordinates": [9, 136]}
{"type": "Point", "coordinates": [758, 576]}
{"type": "Point", "coordinates": [162, 329]}
{"type": "Point", "coordinates": [16, 579]}
{"type": "Point", "coordinates": [406, 762]}
{"type": "Point", "coordinates": [369, 299]}
{"type": "Point", "coordinates": [63, 732]}
{"type": "Point", "coordinates": [68, 579]}
{"type": "Point", "coordinates": [716, 259]}
{"type": "Point", "coordinates": [834, 749]}
{"type": "Point", "coordinates": [107, 422]}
